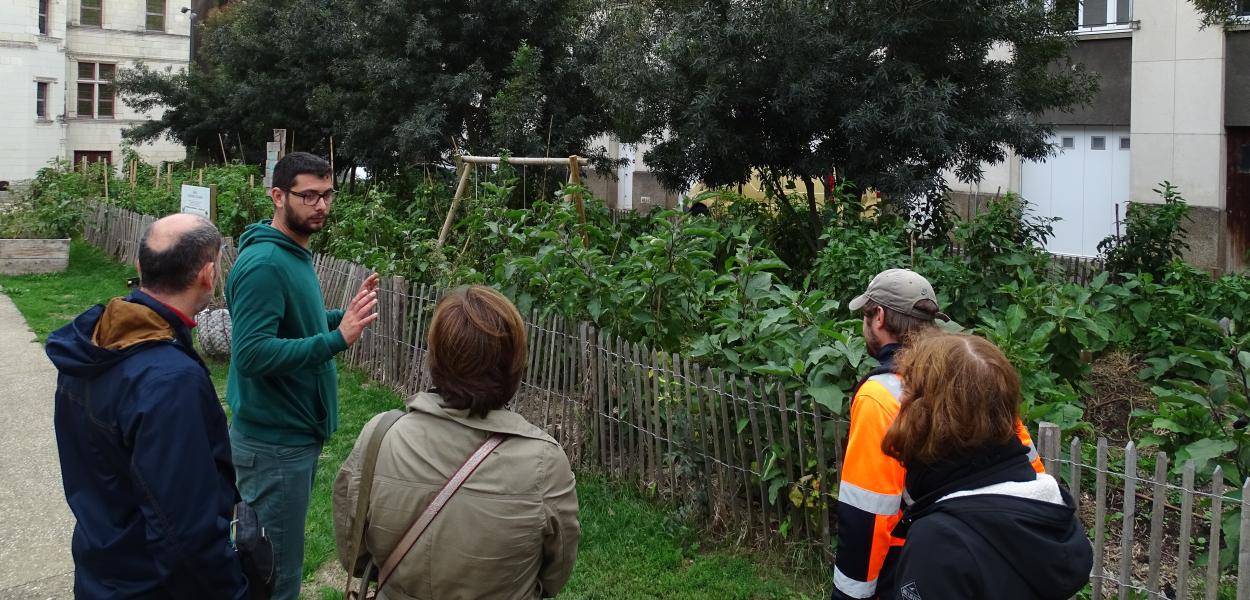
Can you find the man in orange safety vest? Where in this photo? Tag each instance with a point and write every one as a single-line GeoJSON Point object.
{"type": "Point", "coordinates": [898, 307]}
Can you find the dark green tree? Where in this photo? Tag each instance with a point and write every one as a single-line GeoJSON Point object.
{"type": "Point", "coordinates": [397, 83]}
{"type": "Point", "coordinates": [260, 62]}
{"type": "Point", "coordinates": [890, 93]}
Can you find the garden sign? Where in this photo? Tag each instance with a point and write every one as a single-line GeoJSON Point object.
{"type": "Point", "coordinates": [200, 200]}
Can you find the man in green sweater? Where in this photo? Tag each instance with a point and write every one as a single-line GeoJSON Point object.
{"type": "Point", "coordinates": [283, 387]}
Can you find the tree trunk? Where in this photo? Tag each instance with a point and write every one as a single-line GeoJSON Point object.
{"type": "Point", "coordinates": [774, 181]}
{"type": "Point", "coordinates": [813, 213]}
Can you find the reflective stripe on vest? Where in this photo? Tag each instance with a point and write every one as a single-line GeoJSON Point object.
{"type": "Point", "coordinates": [869, 501]}
{"type": "Point", "coordinates": [853, 587]}
{"type": "Point", "coordinates": [892, 383]}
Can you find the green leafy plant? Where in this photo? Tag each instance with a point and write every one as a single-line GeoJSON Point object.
{"type": "Point", "coordinates": [1154, 235]}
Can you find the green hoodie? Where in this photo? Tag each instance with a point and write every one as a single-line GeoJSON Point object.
{"type": "Point", "coordinates": [283, 387]}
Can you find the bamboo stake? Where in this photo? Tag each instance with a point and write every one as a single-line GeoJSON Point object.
{"type": "Point", "coordinates": [575, 176]}
{"type": "Point", "coordinates": [455, 203]}
{"type": "Point", "coordinates": [221, 142]}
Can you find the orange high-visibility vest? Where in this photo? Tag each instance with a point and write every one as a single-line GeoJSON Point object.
{"type": "Point", "coordinates": [871, 493]}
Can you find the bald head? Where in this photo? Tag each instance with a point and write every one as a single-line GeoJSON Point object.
{"type": "Point", "coordinates": [173, 251]}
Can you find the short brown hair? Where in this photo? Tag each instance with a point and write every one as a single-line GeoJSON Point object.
{"type": "Point", "coordinates": [477, 349]}
{"type": "Point", "coordinates": [960, 394]}
{"type": "Point", "coordinates": [906, 327]}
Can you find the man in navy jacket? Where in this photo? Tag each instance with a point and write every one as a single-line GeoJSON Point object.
{"type": "Point", "coordinates": [144, 449]}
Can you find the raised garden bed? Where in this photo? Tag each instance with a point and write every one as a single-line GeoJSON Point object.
{"type": "Point", "coordinates": [23, 257]}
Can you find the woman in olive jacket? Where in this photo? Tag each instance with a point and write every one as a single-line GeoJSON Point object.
{"type": "Point", "coordinates": [984, 524]}
{"type": "Point", "coordinates": [511, 531]}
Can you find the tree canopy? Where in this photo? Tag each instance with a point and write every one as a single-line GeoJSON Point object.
{"type": "Point", "coordinates": [396, 82]}
{"type": "Point", "coordinates": [890, 93]}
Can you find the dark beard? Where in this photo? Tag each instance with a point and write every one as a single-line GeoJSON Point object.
{"type": "Point", "coordinates": [873, 344]}
{"type": "Point", "coordinates": [298, 226]}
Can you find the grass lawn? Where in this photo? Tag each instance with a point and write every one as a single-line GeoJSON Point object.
{"type": "Point", "coordinates": [630, 548]}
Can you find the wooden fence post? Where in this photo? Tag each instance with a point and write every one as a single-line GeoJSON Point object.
{"type": "Point", "coordinates": [1243, 559]}
{"type": "Point", "coordinates": [1156, 520]}
{"type": "Point", "coordinates": [1213, 541]}
{"type": "Point", "coordinates": [1128, 519]}
{"type": "Point", "coordinates": [1100, 516]}
{"type": "Point", "coordinates": [1048, 445]}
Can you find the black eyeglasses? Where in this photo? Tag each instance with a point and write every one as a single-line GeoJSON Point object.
{"type": "Point", "coordinates": [311, 198]}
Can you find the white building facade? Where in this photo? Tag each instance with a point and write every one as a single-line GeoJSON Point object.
{"type": "Point", "coordinates": [58, 60]}
{"type": "Point", "coordinates": [1173, 104]}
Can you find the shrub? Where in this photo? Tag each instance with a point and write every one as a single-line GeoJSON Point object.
{"type": "Point", "coordinates": [1154, 235]}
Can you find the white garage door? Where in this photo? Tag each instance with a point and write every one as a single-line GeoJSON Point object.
{"type": "Point", "coordinates": [1082, 185]}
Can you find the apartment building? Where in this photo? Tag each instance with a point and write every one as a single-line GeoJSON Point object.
{"type": "Point", "coordinates": [58, 61]}
{"type": "Point", "coordinates": [1174, 105]}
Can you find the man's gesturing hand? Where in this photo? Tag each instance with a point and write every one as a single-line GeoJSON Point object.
{"type": "Point", "coordinates": [360, 312]}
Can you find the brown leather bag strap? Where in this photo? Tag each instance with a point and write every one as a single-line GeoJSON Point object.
{"type": "Point", "coordinates": [370, 460]}
{"type": "Point", "coordinates": [423, 522]}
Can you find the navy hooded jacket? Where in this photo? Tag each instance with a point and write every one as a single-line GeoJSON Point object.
{"type": "Point", "coordinates": [145, 456]}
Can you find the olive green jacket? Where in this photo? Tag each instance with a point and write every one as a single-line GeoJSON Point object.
{"type": "Point", "coordinates": [511, 532]}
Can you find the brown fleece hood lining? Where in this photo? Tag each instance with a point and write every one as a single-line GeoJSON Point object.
{"type": "Point", "coordinates": [124, 324]}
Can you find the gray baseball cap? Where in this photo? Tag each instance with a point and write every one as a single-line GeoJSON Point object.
{"type": "Point", "coordinates": [899, 290]}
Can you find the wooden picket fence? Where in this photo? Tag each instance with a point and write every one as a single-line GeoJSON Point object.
{"type": "Point", "coordinates": [1133, 559]}
{"type": "Point", "coordinates": [1080, 270]}
{"type": "Point", "coordinates": [752, 459]}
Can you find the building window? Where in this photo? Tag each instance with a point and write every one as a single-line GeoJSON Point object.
{"type": "Point", "coordinates": [1243, 8]}
{"type": "Point", "coordinates": [43, 17]}
{"type": "Point", "coordinates": [1124, 143]}
{"type": "Point", "coordinates": [156, 15]}
{"type": "Point", "coordinates": [92, 13]}
{"type": "Point", "coordinates": [41, 100]}
{"type": "Point", "coordinates": [1097, 142]}
{"type": "Point", "coordinates": [95, 89]}
{"type": "Point", "coordinates": [1096, 14]}
{"type": "Point", "coordinates": [1069, 143]}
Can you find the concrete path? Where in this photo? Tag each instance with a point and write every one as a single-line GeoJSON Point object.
{"type": "Point", "coordinates": [35, 523]}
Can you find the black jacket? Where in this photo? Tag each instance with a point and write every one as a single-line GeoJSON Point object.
{"type": "Point", "coordinates": [998, 542]}
{"type": "Point", "coordinates": [145, 457]}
